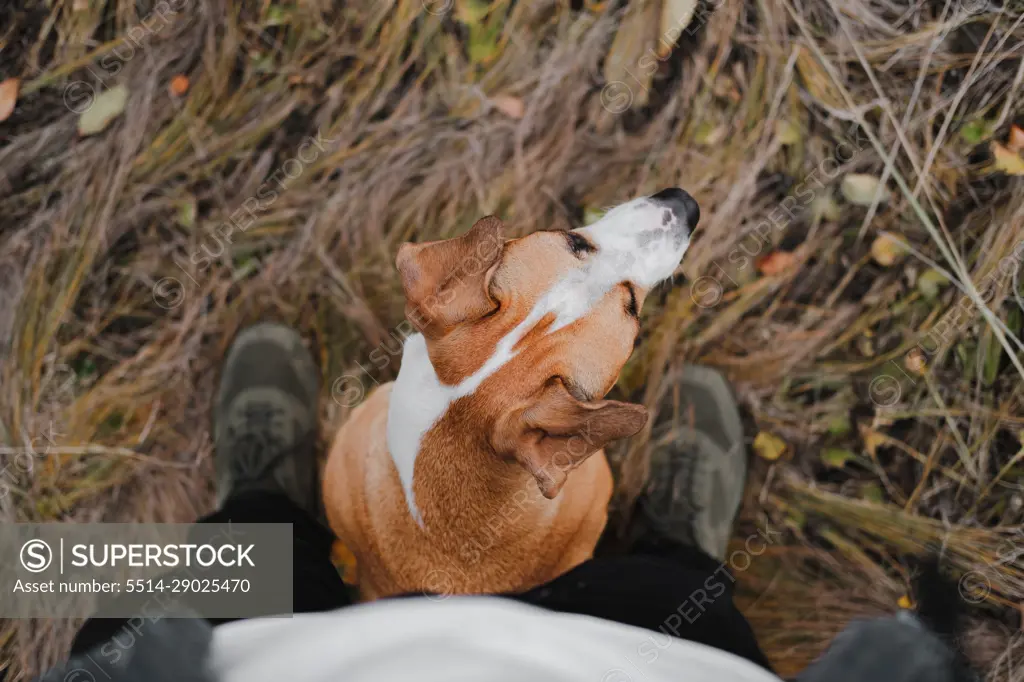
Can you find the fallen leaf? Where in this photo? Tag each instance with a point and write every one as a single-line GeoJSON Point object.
{"type": "Point", "coordinates": [592, 215]}
{"type": "Point", "coordinates": [187, 213]}
{"type": "Point", "coordinates": [915, 362]}
{"type": "Point", "coordinates": [930, 283]}
{"type": "Point", "coordinates": [512, 107]}
{"type": "Point", "coordinates": [707, 133]}
{"type": "Point", "coordinates": [8, 97]}
{"type": "Point", "coordinates": [344, 560]}
{"type": "Point", "coordinates": [825, 207]}
{"type": "Point", "coordinates": [471, 12]}
{"type": "Point", "coordinates": [817, 81]}
{"type": "Point", "coordinates": [1015, 142]}
{"type": "Point", "coordinates": [904, 602]}
{"type": "Point", "coordinates": [631, 62]}
{"type": "Point", "coordinates": [976, 131]}
{"type": "Point", "coordinates": [865, 345]}
{"type": "Point", "coordinates": [484, 30]}
{"type": "Point", "coordinates": [107, 106]}
{"type": "Point", "coordinates": [1006, 161]}
{"type": "Point", "coordinates": [787, 133]}
{"type": "Point", "coordinates": [886, 250]}
{"type": "Point", "coordinates": [872, 492]}
{"type": "Point", "coordinates": [769, 446]}
{"type": "Point", "coordinates": [860, 189]}
{"type": "Point", "coordinates": [179, 85]}
{"type": "Point", "coordinates": [838, 424]}
{"type": "Point", "coordinates": [775, 262]}
{"type": "Point", "coordinates": [276, 16]}
{"type": "Point", "coordinates": [836, 458]}
{"type": "Point", "coordinates": [676, 15]}
{"type": "Point", "coordinates": [795, 519]}
{"type": "Point", "coordinates": [872, 439]}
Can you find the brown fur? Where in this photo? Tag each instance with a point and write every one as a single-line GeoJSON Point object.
{"type": "Point", "coordinates": [492, 482]}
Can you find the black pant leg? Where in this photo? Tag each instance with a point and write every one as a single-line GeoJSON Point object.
{"type": "Point", "coordinates": [317, 585]}
{"type": "Point", "coordinates": [660, 586]}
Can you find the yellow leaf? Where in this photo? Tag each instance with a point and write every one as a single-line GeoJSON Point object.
{"type": "Point", "coordinates": [8, 97]}
{"type": "Point", "coordinates": [787, 133]}
{"type": "Point", "coordinates": [512, 107]}
{"type": "Point", "coordinates": [592, 215]}
{"type": "Point", "coordinates": [1006, 161]}
{"type": "Point", "coordinates": [886, 250]}
{"type": "Point", "coordinates": [860, 189]}
{"type": "Point", "coordinates": [707, 133]}
{"type": "Point", "coordinates": [872, 439]}
{"type": "Point", "coordinates": [769, 446]}
{"type": "Point", "coordinates": [904, 602]}
{"type": "Point", "coordinates": [105, 108]}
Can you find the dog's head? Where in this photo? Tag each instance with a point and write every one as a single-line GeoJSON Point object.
{"type": "Point", "coordinates": [528, 335]}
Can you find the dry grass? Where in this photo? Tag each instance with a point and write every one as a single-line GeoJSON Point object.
{"type": "Point", "coordinates": [118, 298]}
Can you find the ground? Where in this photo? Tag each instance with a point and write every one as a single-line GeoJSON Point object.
{"type": "Point", "coordinates": [174, 170]}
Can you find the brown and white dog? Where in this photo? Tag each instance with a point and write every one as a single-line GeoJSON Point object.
{"type": "Point", "coordinates": [454, 478]}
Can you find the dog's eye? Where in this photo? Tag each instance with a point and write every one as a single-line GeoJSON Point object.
{"type": "Point", "coordinates": [578, 244]}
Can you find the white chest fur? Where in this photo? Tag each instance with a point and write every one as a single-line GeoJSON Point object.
{"type": "Point", "coordinates": [636, 243]}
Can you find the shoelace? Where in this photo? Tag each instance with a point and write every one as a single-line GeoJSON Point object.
{"type": "Point", "coordinates": [256, 444]}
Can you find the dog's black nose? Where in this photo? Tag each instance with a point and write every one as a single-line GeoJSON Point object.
{"type": "Point", "coordinates": [680, 201]}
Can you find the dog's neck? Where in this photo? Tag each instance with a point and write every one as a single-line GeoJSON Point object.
{"type": "Point", "coordinates": [469, 470]}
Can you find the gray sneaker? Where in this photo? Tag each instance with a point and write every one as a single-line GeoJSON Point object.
{"type": "Point", "coordinates": [698, 462]}
{"type": "Point", "coordinates": [265, 418]}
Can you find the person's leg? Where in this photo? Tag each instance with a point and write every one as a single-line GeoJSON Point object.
{"type": "Point", "coordinates": [265, 431]}
{"type": "Point", "coordinates": [673, 578]}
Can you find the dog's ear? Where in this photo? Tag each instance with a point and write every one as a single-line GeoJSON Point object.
{"type": "Point", "coordinates": [446, 282]}
{"type": "Point", "coordinates": [556, 433]}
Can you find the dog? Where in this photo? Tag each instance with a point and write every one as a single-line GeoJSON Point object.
{"type": "Point", "coordinates": [455, 478]}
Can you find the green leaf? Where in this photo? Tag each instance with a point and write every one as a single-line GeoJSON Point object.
{"type": "Point", "coordinates": [872, 492]}
{"type": "Point", "coordinates": [484, 31]}
{"type": "Point", "coordinates": [976, 131]}
{"type": "Point", "coordinates": [992, 357]}
{"type": "Point", "coordinates": [592, 215]}
{"type": "Point", "coordinates": [1013, 321]}
{"type": "Point", "coordinates": [276, 16]}
{"type": "Point", "coordinates": [187, 213]}
{"type": "Point", "coordinates": [837, 458]}
{"type": "Point", "coordinates": [965, 352]}
{"type": "Point", "coordinates": [795, 518]}
{"type": "Point", "coordinates": [930, 283]}
{"type": "Point", "coordinates": [86, 369]}
{"type": "Point", "coordinates": [838, 424]}
{"type": "Point", "coordinates": [107, 106]}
